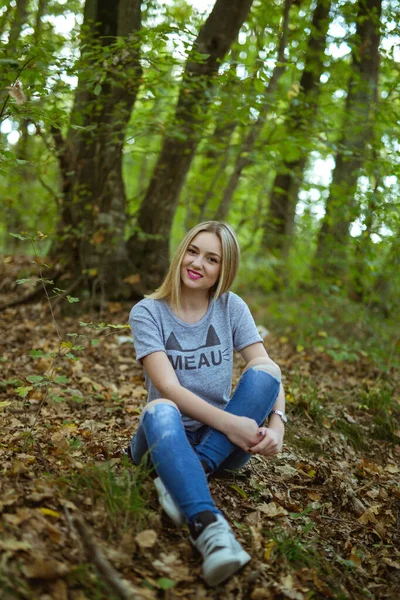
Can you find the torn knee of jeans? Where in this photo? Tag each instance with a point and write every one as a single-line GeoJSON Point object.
{"type": "Point", "coordinates": [270, 368]}
{"type": "Point", "coordinates": [151, 408]}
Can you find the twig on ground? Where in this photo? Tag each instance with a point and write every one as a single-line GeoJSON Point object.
{"type": "Point", "coordinates": [99, 559]}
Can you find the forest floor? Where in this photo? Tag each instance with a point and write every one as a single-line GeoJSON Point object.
{"type": "Point", "coordinates": [322, 520]}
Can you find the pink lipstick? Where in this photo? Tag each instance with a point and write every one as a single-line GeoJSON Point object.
{"type": "Point", "coordinates": [193, 275]}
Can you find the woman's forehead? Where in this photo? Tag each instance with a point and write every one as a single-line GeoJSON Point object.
{"type": "Point", "coordinates": [207, 241]}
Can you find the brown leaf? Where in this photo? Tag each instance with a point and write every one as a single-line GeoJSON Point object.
{"type": "Point", "coordinates": [132, 279]}
{"type": "Point", "coordinates": [272, 510]}
{"type": "Point", "coordinates": [12, 545]}
{"type": "Point", "coordinates": [171, 566]}
{"type": "Point", "coordinates": [369, 515]}
{"type": "Point", "coordinates": [45, 568]}
{"type": "Point", "coordinates": [146, 539]}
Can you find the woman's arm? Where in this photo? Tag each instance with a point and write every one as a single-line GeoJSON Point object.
{"type": "Point", "coordinates": [272, 442]}
{"type": "Point", "coordinates": [243, 432]}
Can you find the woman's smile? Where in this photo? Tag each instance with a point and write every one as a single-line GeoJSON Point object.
{"type": "Point", "coordinates": [193, 274]}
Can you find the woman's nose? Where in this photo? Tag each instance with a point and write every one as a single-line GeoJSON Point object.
{"type": "Point", "coordinates": [197, 262]}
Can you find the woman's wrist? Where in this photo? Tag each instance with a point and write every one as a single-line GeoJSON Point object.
{"type": "Point", "coordinates": [276, 423]}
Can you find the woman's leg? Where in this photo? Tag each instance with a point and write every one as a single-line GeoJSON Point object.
{"type": "Point", "coordinates": [254, 397]}
{"type": "Point", "coordinates": [174, 459]}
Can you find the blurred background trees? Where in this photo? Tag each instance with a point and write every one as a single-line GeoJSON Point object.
{"type": "Point", "coordinates": [124, 123]}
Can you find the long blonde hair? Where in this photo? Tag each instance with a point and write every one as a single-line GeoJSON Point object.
{"type": "Point", "coordinates": [170, 289]}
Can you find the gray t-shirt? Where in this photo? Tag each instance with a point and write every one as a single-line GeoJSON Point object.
{"type": "Point", "coordinates": [201, 353]}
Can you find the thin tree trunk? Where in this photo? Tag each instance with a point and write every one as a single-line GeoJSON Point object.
{"type": "Point", "coordinates": [5, 17]}
{"type": "Point", "coordinates": [158, 208]}
{"type": "Point", "coordinates": [250, 140]}
{"type": "Point", "coordinates": [341, 205]}
{"type": "Point", "coordinates": [93, 213]}
{"type": "Point", "coordinates": [21, 13]}
{"type": "Point", "coordinates": [279, 224]}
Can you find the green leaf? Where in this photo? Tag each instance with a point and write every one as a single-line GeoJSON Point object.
{"type": "Point", "coordinates": [21, 281]}
{"type": "Point", "coordinates": [35, 378]}
{"type": "Point", "coordinates": [71, 299]}
{"type": "Point", "coordinates": [23, 391]}
{"type": "Point", "coordinates": [61, 379]}
{"type": "Point", "coordinates": [95, 342]}
{"type": "Point", "coordinates": [19, 236]}
{"type": "Point", "coordinates": [36, 353]}
{"type": "Point", "coordinates": [165, 584]}
{"type": "Point", "coordinates": [97, 90]}
{"type": "Point", "coordinates": [57, 398]}
{"type": "Point", "coordinates": [238, 490]}
{"type": "Point", "coordinates": [9, 61]}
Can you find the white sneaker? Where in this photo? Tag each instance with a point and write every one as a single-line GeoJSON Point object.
{"type": "Point", "coordinates": [222, 553]}
{"type": "Point", "coordinates": [168, 503]}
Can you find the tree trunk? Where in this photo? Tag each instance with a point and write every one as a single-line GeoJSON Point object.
{"type": "Point", "coordinates": [21, 13]}
{"type": "Point", "coordinates": [150, 245]}
{"type": "Point", "coordinates": [279, 225]}
{"type": "Point", "coordinates": [250, 140]}
{"type": "Point", "coordinates": [93, 212]}
{"type": "Point", "coordinates": [341, 206]}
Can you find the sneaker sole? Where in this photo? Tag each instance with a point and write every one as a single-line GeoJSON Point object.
{"type": "Point", "coordinates": [170, 509]}
{"type": "Point", "coordinates": [226, 567]}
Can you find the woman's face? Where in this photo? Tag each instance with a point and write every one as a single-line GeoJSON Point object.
{"type": "Point", "coordinates": [201, 264]}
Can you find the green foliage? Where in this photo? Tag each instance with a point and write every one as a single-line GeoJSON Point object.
{"type": "Point", "coordinates": [118, 493]}
{"type": "Point", "coordinates": [325, 320]}
{"type": "Point", "coordinates": [294, 548]}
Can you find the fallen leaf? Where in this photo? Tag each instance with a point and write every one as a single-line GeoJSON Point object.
{"type": "Point", "coordinates": [269, 546]}
{"type": "Point", "coordinates": [45, 568]}
{"type": "Point", "coordinates": [272, 510]}
{"type": "Point", "coordinates": [132, 279]}
{"type": "Point", "coordinates": [369, 515]}
{"type": "Point", "coordinates": [172, 566]}
{"type": "Point", "coordinates": [314, 496]}
{"type": "Point", "coordinates": [146, 538]}
{"type": "Point", "coordinates": [392, 563]}
{"type": "Point", "coordinates": [49, 512]}
{"type": "Point", "coordinates": [391, 468]}
{"type": "Point", "coordinates": [288, 590]}
{"type": "Point", "coordinates": [12, 545]}
{"type": "Point", "coordinates": [354, 557]}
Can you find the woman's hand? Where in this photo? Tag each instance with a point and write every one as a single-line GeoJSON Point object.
{"type": "Point", "coordinates": [270, 444]}
{"type": "Point", "coordinates": [243, 432]}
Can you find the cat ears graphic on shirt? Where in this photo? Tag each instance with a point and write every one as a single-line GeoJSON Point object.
{"type": "Point", "coordinates": [212, 340]}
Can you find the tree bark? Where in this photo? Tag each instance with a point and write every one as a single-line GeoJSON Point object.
{"type": "Point", "coordinates": [250, 140]}
{"type": "Point", "coordinates": [278, 227]}
{"type": "Point", "coordinates": [341, 206]}
{"type": "Point", "coordinates": [150, 245]}
{"type": "Point", "coordinates": [93, 212]}
{"type": "Point", "coordinates": [21, 13]}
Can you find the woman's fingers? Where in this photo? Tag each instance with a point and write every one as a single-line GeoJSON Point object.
{"type": "Point", "coordinates": [269, 445]}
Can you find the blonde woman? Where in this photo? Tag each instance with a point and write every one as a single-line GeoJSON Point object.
{"type": "Point", "coordinates": [185, 334]}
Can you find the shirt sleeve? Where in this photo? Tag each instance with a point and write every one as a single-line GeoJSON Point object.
{"type": "Point", "coordinates": [146, 332]}
{"type": "Point", "coordinates": [244, 329]}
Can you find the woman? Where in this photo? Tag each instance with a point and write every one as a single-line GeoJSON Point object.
{"type": "Point", "coordinates": [184, 335]}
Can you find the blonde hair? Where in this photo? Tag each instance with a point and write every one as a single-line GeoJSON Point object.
{"type": "Point", "coordinates": [170, 288]}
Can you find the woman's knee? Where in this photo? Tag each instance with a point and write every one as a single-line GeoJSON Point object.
{"type": "Point", "coordinates": [150, 406]}
{"type": "Point", "coordinates": [264, 364]}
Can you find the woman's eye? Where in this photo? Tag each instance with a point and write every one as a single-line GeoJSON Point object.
{"type": "Point", "coordinates": [213, 260]}
{"type": "Point", "coordinates": [191, 251]}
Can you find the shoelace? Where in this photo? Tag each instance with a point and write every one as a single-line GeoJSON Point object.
{"type": "Point", "coordinates": [211, 539]}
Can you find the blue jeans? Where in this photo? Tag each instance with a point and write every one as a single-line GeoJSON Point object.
{"type": "Point", "coordinates": [176, 453]}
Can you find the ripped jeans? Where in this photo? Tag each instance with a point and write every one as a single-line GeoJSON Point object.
{"type": "Point", "coordinates": [176, 453]}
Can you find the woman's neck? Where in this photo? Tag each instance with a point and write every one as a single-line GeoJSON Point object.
{"type": "Point", "coordinates": [193, 306]}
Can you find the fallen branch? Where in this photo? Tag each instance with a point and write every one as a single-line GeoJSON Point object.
{"type": "Point", "coordinates": [95, 554]}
